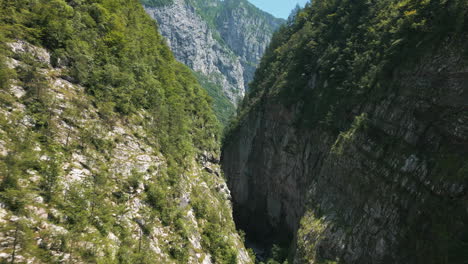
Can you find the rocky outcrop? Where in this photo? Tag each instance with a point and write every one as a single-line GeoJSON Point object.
{"type": "Point", "coordinates": [100, 172]}
{"type": "Point", "coordinates": [247, 32]}
{"type": "Point", "coordinates": [224, 40]}
{"type": "Point", "coordinates": [391, 187]}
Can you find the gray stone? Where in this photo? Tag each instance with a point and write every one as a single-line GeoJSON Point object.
{"type": "Point", "coordinates": [229, 62]}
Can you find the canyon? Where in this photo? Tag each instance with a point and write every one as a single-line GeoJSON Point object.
{"type": "Point", "coordinates": [191, 131]}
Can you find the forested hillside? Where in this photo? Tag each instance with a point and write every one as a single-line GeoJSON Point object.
{"type": "Point", "coordinates": [108, 145]}
{"type": "Point", "coordinates": [351, 145]}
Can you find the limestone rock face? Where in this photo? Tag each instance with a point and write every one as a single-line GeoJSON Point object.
{"type": "Point", "coordinates": [91, 148]}
{"type": "Point", "coordinates": [223, 40]}
{"type": "Point", "coordinates": [386, 190]}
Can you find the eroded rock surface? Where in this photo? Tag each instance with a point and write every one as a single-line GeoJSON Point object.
{"type": "Point", "coordinates": [391, 188]}
{"type": "Point", "coordinates": [88, 148]}
{"type": "Point", "coordinates": [224, 40]}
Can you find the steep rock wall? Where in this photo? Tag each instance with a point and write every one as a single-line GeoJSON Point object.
{"type": "Point", "coordinates": [380, 187]}
{"type": "Point", "coordinates": [192, 42]}
{"type": "Point", "coordinates": [224, 40]}
{"type": "Point", "coordinates": [391, 187]}
{"type": "Point", "coordinates": [247, 32]}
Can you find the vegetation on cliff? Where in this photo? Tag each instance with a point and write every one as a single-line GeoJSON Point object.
{"type": "Point", "coordinates": [332, 68]}
{"type": "Point", "coordinates": [156, 3]}
{"type": "Point", "coordinates": [349, 48]}
{"type": "Point", "coordinates": [225, 56]}
{"type": "Point", "coordinates": [114, 51]}
{"type": "Point", "coordinates": [101, 143]}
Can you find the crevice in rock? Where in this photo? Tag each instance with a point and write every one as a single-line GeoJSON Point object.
{"type": "Point", "coordinates": [260, 234]}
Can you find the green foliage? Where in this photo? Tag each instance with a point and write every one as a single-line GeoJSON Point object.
{"type": "Point", "coordinates": [310, 232]}
{"type": "Point", "coordinates": [347, 137]}
{"type": "Point", "coordinates": [111, 48]}
{"type": "Point", "coordinates": [127, 253]}
{"type": "Point", "coordinates": [13, 170]}
{"type": "Point", "coordinates": [216, 242]}
{"type": "Point", "coordinates": [6, 74]}
{"type": "Point", "coordinates": [114, 50]}
{"type": "Point", "coordinates": [7, 99]}
{"type": "Point", "coordinates": [222, 106]}
{"type": "Point", "coordinates": [51, 172]}
{"type": "Point", "coordinates": [24, 242]}
{"type": "Point", "coordinates": [161, 197]}
{"type": "Point", "coordinates": [334, 52]}
{"type": "Point", "coordinates": [157, 3]}
{"type": "Point", "coordinates": [215, 232]}
{"type": "Point", "coordinates": [278, 255]}
{"type": "Point", "coordinates": [338, 55]}
{"type": "Point", "coordinates": [180, 253]}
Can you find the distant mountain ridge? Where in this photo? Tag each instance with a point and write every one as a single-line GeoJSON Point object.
{"type": "Point", "coordinates": [222, 41]}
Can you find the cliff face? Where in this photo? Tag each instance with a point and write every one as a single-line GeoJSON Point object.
{"type": "Point", "coordinates": [192, 42]}
{"type": "Point", "coordinates": [106, 174]}
{"type": "Point", "coordinates": [88, 178]}
{"type": "Point", "coordinates": [247, 32]}
{"type": "Point", "coordinates": [357, 170]}
{"type": "Point", "coordinates": [224, 40]}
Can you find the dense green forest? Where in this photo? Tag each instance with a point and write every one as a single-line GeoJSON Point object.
{"type": "Point", "coordinates": [222, 107]}
{"type": "Point", "coordinates": [113, 50]}
{"type": "Point", "coordinates": [336, 56]}
{"type": "Point", "coordinates": [351, 46]}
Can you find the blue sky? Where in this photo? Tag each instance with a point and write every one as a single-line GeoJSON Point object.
{"type": "Point", "coordinates": [278, 8]}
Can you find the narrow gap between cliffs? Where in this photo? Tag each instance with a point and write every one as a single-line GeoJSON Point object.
{"type": "Point", "coordinates": [270, 244]}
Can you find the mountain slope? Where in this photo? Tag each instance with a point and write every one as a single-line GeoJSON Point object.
{"type": "Point", "coordinates": [221, 40]}
{"type": "Point", "coordinates": [108, 145]}
{"type": "Point", "coordinates": [353, 138]}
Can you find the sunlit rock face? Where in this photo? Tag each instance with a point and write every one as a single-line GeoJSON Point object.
{"type": "Point", "coordinates": [91, 148]}
{"type": "Point", "coordinates": [224, 40]}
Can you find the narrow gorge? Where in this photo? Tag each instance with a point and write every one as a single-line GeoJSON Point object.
{"type": "Point", "coordinates": [211, 132]}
